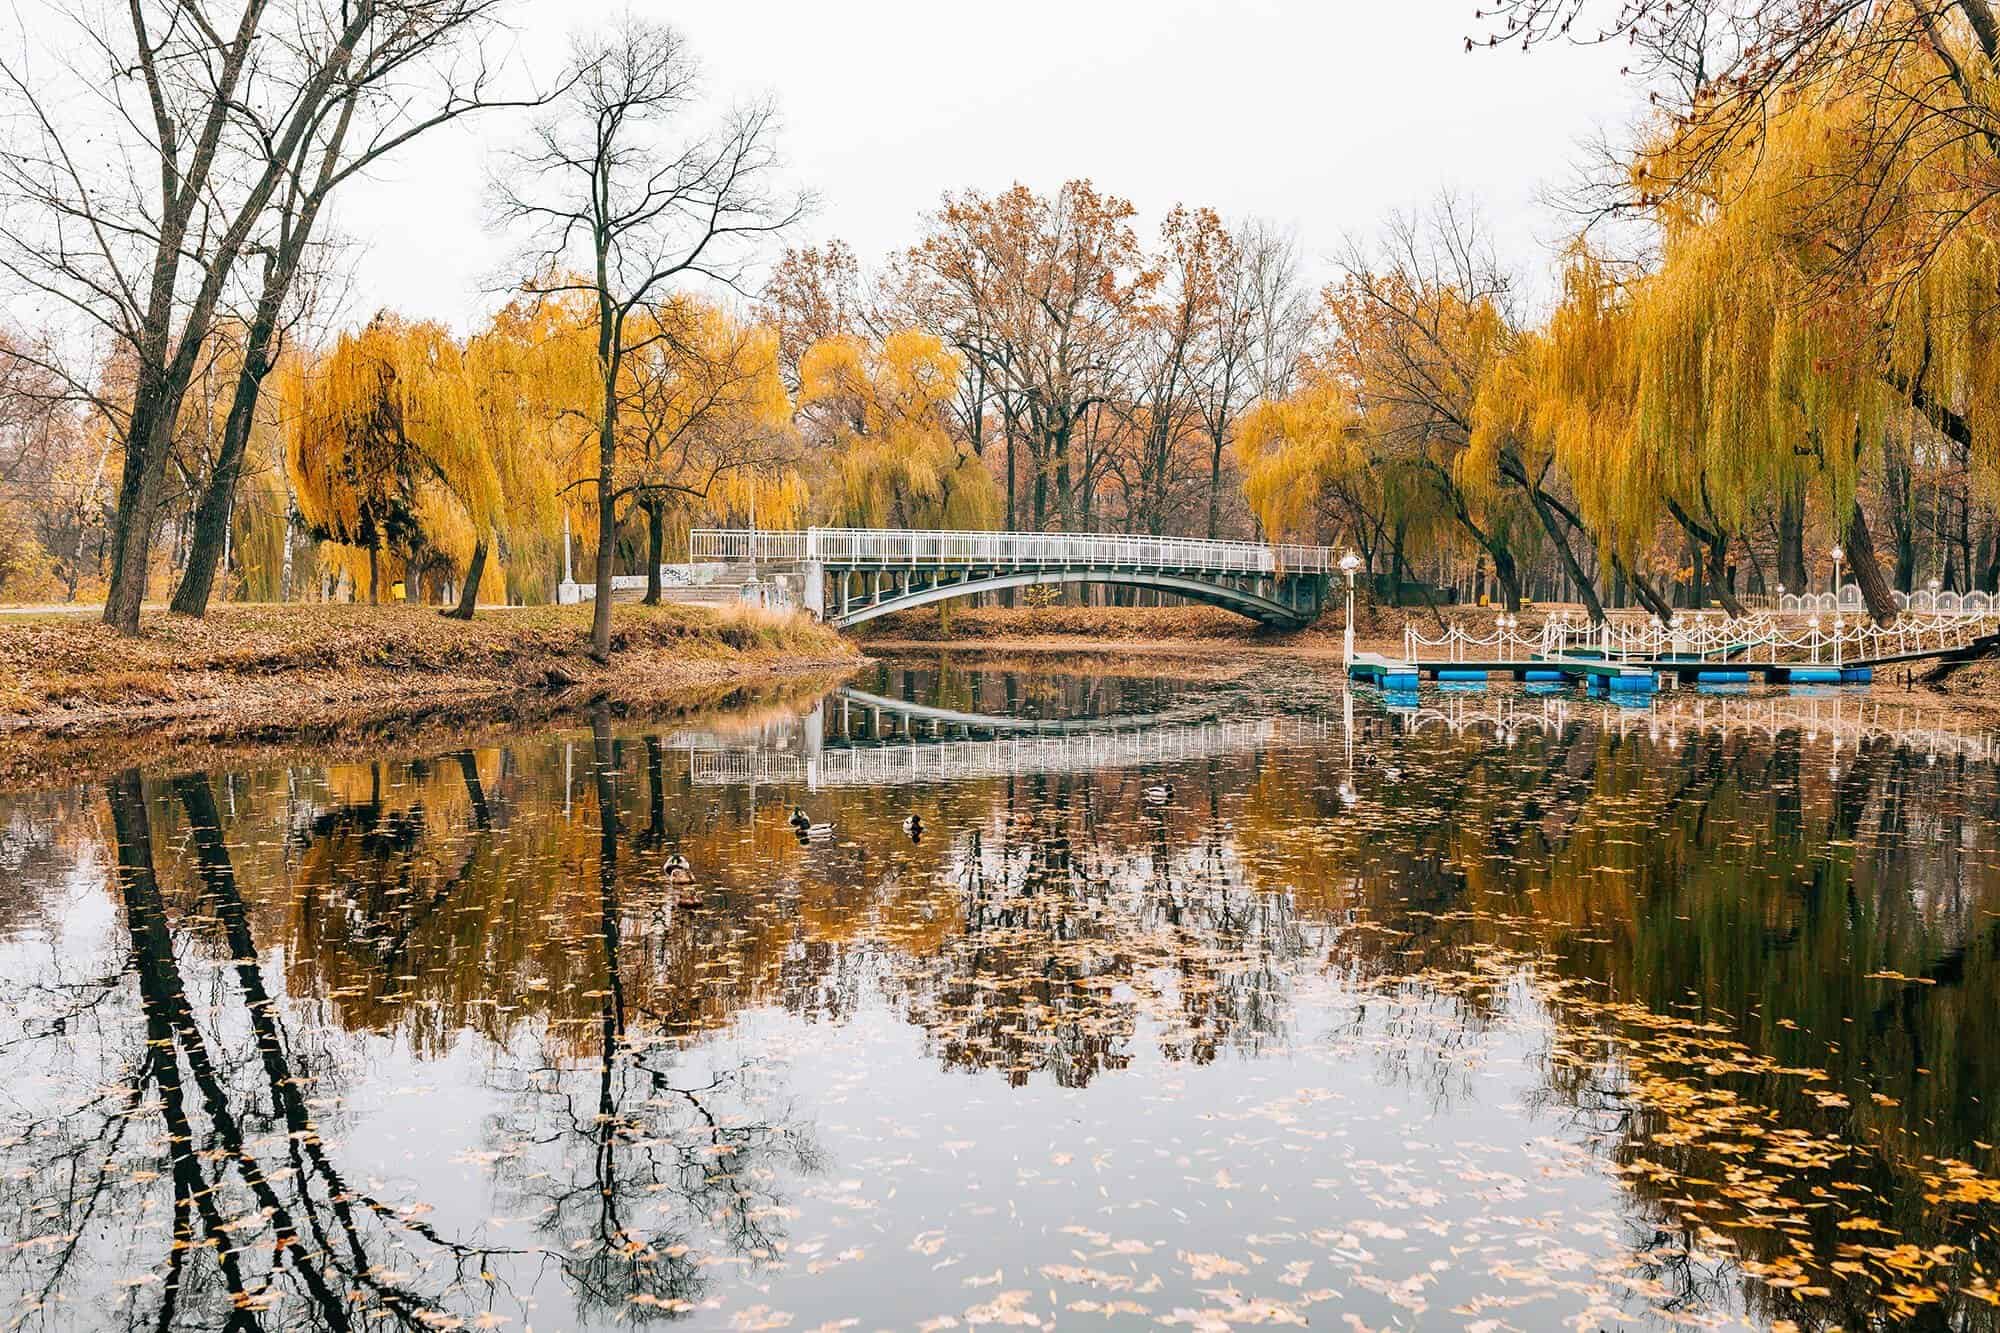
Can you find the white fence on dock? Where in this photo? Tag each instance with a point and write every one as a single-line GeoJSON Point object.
{"type": "Point", "coordinates": [1742, 639]}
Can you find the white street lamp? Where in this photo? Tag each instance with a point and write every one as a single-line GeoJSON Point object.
{"type": "Point", "coordinates": [1348, 564]}
{"type": "Point", "coordinates": [1836, 553]}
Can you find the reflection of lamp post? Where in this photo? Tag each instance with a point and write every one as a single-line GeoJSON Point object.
{"type": "Point", "coordinates": [1348, 564]}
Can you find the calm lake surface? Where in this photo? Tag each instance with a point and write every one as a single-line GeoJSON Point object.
{"type": "Point", "coordinates": [1485, 1010]}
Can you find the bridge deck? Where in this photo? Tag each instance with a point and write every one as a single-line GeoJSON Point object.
{"type": "Point", "coordinates": [887, 548]}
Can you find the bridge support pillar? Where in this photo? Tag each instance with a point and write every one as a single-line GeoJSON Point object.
{"type": "Point", "coordinates": [814, 595]}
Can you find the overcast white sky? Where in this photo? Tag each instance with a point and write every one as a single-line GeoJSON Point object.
{"type": "Point", "coordinates": [1322, 115]}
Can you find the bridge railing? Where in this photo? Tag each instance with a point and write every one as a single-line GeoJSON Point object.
{"type": "Point", "coordinates": [884, 547]}
{"type": "Point", "coordinates": [1753, 638]}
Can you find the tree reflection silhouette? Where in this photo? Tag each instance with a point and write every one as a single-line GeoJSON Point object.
{"type": "Point", "coordinates": [632, 1174]}
{"type": "Point", "coordinates": [265, 1230]}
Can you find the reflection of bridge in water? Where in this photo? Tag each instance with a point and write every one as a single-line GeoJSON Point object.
{"type": "Point", "coordinates": [856, 739]}
{"type": "Point", "coordinates": [1844, 723]}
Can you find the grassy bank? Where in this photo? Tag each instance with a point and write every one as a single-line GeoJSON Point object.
{"type": "Point", "coordinates": [249, 673]}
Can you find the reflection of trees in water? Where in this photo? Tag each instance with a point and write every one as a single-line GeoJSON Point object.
{"type": "Point", "coordinates": [1704, 911]}
{"type": "Point", "coordinates": [42, 835]}
{"type": "Point", "coordinates": [1743, 888]}
{"type": "Point", "coordinates": [201, 1098]}
{"type": "Point", "coordinates": [631, 1172]}
{"type": "Point", "coordinates": [1084, 912]}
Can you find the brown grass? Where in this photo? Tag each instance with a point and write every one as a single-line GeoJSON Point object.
{"type": "Point", "coordinates": [252, 672]}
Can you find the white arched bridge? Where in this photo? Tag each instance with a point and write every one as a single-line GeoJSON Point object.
{"type": "Point", "coordinates": [849, 575]}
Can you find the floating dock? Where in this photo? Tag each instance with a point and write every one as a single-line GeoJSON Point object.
{"type": "Point", "coordinates": [1613, 675]}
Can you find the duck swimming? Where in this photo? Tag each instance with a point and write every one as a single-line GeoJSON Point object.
{"type": "Point", "coordinates": [800, 821]}
{"type": "Point", "coordinates": [678, 870]}
{"type": "Point", "coordinates": [914, 827]}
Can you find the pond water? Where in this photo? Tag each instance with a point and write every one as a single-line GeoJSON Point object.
{"type": "Point", "coordinates": [1195, 1002]}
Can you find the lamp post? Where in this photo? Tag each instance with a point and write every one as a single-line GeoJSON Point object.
{"type": "Point", "coordinates": [1836, 553]}
{"type": "Point", "coordinates": [1348, 564]}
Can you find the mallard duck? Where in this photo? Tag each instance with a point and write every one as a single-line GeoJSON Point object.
{"type": "Point", "coordinates": [800, 820]}
{"type": "Point", "coordinates": [678, 870]}
{"type": "Point", "coordinates": [1160, 793]}
{"type": "Point", "coordinates": [914, 826]}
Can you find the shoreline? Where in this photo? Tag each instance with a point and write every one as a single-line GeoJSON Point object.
{"type": "Point", "coordinates": [75, 698]}
{"type": "Point", "coordinates": [275, 681]}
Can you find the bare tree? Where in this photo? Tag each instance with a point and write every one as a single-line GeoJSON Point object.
{"type": "Point", "coordinates": [624, 200]}
{"type": "Point", "coordinates": [196, 123]}
{"type": "Point", "coordinates": [1263, 318]}
{"type": "Point", "coordinates": [411, 76]}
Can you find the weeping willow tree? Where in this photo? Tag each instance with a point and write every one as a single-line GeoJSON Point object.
{"type": "Point", "coordinates": [705, 423]}
{"type": "Point", "coordinates": [1293, 452]}
{"type": "Point", "coordinates": [1416, 327]}
{"type": "Point", "coordinates": [388, 450]}
{"type": "Point", "coordinates": [885, 406]}
{"type": "Point", "coordinates": [1310, 475]}
{"type": "Point", "coordinates": [1566, 395]}
{"type": "Point", "coordinates": [1826, 284]}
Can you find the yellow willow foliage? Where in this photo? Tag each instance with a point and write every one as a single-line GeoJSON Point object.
{"type": "Point", "coordinates": [705, 416]}
{"type": "Point", "coordinates": [1291, 449]}
{"type": "Point", "coordinates": [511, 365]}
{"type": "Point", "coordinates": [1825, 270]}
{"type": "Point", "coordinates": [1568, 391]}
{"type": "Point", "coordinates": [388, 436]}
{"type": "Point", "coordinates": [1945, 336]}
{"type": "Point", "coordinates": [885, 407]}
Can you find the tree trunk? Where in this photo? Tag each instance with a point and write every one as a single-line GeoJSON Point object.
{"type": "Point", "coordinates": [286, 554]}
{"type": "Point", "coordinates": [607, 523]}
{"type": "Point", "coordinates": [1215, 447]}
{"type": "Point", "coordinates": [1507, 574]}
{"type": "Point", "coordinates": [1719, 576]}
{"type": "Point", "coordinates": [375, 572]}
{"type": "Point", "coordinates": [1007, 427]}
{"type": "Point", "coordinates": [656, 543]}
{"type": "Point", "coordinates": [1792, 541]}
{"type": "Point", "coordinates": [468, 598]}
{"type": "Point", "coordinates": [1715, 541]}
{"type": "Point", "coordinates": [1585, 588]}
{"type": "Point", "coordinates": [1867, 569]}
{"type": "Point", "coordinates": [138, 499]}
{"type": "Point", "coordinates": [1647, 596]}
{"type": "Point", "coordinates": [218, 498]}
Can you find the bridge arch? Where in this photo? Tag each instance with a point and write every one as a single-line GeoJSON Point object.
{"type": "Point", "coordinates": [1242, 601]}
